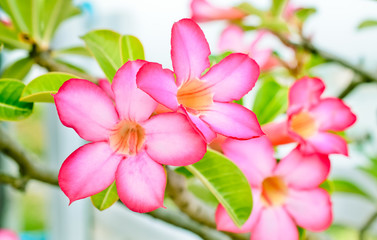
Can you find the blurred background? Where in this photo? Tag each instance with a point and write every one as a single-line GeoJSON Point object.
{"type": "Point", "coordinates": [42, 212]}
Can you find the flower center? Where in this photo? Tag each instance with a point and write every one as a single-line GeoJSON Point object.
{"type": "Point", "coordinates": [127, 138]}
{"type": "Point", "coordinates": [195, 95]}
{"type": "Point", "coordinates": [303, 124]}
{"type": "Point", "coordinates": [274, 191]}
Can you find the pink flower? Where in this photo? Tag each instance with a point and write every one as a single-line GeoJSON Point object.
{"type": "Point", "coordinates": [310, 118]}
{"type": "Point", "coordinates": [6, 234]}
{"type": "Point", "coordinates": [127, 146]}
{"type": "Point", "coordinates": [203, 11]}
{"type": "Point", "coordinates": [284, 194]}
{"type": "Point", "coordinates": [206, 99]}
{"type": "Point", "coordinates": [232, 38]}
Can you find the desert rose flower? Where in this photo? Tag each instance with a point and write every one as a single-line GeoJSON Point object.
{"type": "Point", "coordinates": [232, 39]}
{"type": "Point", "coordinates": [285, 194]}
{"type": "Point", "coordinates": [6, 234]}
{"type": "Point", "coordinates": [127, 145]}
{"type": "Point", "coordinates": [205, 98]}
{"type": "Point", "coordinates": [310, 118]}
{"type": "Point", "coordinates": [203, 11]}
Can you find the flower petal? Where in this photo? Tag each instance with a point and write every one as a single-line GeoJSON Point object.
{"type": "Point", "coordinates": [274, 224]}
{"type": "Point", "coordinates": [131, 102]}
{"type": "Point", "coordinates": [159, 83]}
{"type": "Point", "coordinates": [231, 39]}
{"type": "Point", "coordinates": [6, 234]}
{"type": "Point", "coordinates": [141, 183]}
{"type": "Point", "coordinates": [304, 93]}
{"type": "Point", "coordinates": [232, 77]}
{"type": "Point", "coordinates": [172, 140]}
{"type": "Point", "coordinates": [311, 209]}
{"type": "Point", "coordinates": [203, 11]}
{"type": "Point", "coordinates": [225, 223]}
{"type": "Point", "coordinates": [88, 170]}
{"type": "Point", "coordinates": [189, 50]}
{"type": "Point", "coordinates": [333, 114]}
{"type": "Point", "coordinates": [325, 143]}
{"type": "Point", "coordinates": [86, 108]}
{"type": "Point", "coordinates": [303, 171]}
{"type": "Point", "coordinates": [255, 157]}
{"type": "Point", "coordinates": [232, 120]}
{"type": "Point", "coordinates": [277, 133]}
{"type": "Point", "coordinates": [105, 85]}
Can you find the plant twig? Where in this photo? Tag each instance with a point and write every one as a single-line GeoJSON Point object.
{"type": "Point", "coordinates": [367, 225]}
{"type": "Point", "coordinates": [18, 183]}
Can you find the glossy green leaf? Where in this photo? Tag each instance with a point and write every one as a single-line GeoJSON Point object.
{"type": "Point", "coordinates": [73, 51]}
{"type": "Point", "coordinates": [106, 198]}
{"type": "Point", "coordinates": [227, 183]}
{"type": "Point", "coordinates": [112, 50]}
{"type": "Point", "coordinates": [304, 13]}
{"type": "Point", "coordinates": [19, 12]}
{"type": "Point", "coordinates": [41, 88]}
{"type": "Point", "coordinates": [202, 193]}
{"type": "Point", "coordinates": [345, 186]}
{"type": "Point", "coordinates": [11, 108]}
{"type": "Point", "coordinates": [18, 69]}
{"type": "Point", "coordinates": [367, 24]}
{"type": "Point", "coordinates": [270, 101]}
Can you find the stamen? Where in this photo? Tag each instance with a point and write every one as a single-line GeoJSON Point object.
{"type": "Point", "coordinates": [127, 138]}
{"type": "Point", "coordinates": [303, 124]}
{"type": "Point", "coordinates": [274, 191]}
{"type": "Point", "coordinates": [195, 95]}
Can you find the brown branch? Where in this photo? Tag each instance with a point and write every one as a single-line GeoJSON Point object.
{"type": "Point", "coordinates": [18, 183]}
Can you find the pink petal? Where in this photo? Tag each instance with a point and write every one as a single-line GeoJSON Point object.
{"type": "Point", "coordinates": [141, 183]}
{"type": "Point", "coordinates": [333, 114]}
{"type": "Point", "coordinates": [189, 50]}
{"type": "Point", "coordinates": [86, 108]}
{"type": "Point", "coordinates": [231, 39]}
{"type": "Point", "coordinates": [131, 102]}
{"type": "Point", "coordinates": [225, 223]}
{"type": "Point", "coordinates": [261, 56]}
{"type": "Point", "coordinates": [277, 133]}
{"type": "Point", "coordinates": [233, 77]}
{"type": "Point", "coordinates": [326, 143]}
{"type": "Point", "coordinates": [302, 171]}
{"type": "Point", "coordinates": [171, 140]}
{"type": "Point", "coordinates": [88, 170]}
{"type": "Point", "coordinates": [201, 127]}
{"type": "Point", "coordinates": [159, 83]}
{"type": "Point", "coordinates": [6, 234]}
{"type": "Point", "coordinates": [204, 11]}
{"type": "Point", "coordinates": [311, 209]}
{"type": "Point", "coordinates": [304, 93]}
{"type": "Point", "coordinates": [105, 85]}
{"type": "Point", "coordinates": [232, 120]}
{"type": "Point", "coordinates": [255, 157]}
{"type": "Point", "coordinates": [274, 224]}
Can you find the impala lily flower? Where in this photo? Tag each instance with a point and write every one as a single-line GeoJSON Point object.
{"type": "Point", "coordinates": [232, 38]}
{"type": "Point", "coordinates": [285, 195]}
{"type": "Point", "coordinates": [310, 118]}
{"type": "Point", "coordinates": [127, 146]}
{"type": "Point", "coordinates": [6, 234]}
{"type": "Point", "coordinates": [206, 99]}
{"type": "Point", "coordinates": [203, 11]}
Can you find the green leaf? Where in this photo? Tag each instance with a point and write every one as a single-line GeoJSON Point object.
{"type": "Point", "coordinates": [250, 9]}
{"type": "Point", "coordinates": [202, 192]}
{"type": "Point", "coordinates": [345, 186]}
{"type": "Point", "coordinates": [11, 39]}
{"type": "Point", "coordinates": [227, 183]}
{"type": "Point", "coordinates": [328, 186]}
{"type": "Point", "coordinates": [367, 24]}
{"type": "Point", "coordinates": [214, 59]}
{"type": "Point", "coordinates": [11, 108]}
{"type": "Point", "coordinates": [305, 13]}
{"type": "Point", "coordinates": [112, 50]}
{"type": "Point", "coordinates": [41, 88]}
{"type": "Point", "coordinates": [18, 69]}
{"type": "Point", "coordinates": [19, 12]}
{"type": "Point", "coordinates": [69, 65]}
{"type": "Point", "coordinates": [270, 101]}
{"type": "Point", "coordinates": [73, 50]}
{"type": "Point", "coordinates": [183, 171]}
{"type": "Point", "coordinates": [106, 198]}
{"type": "Point", "coordinates": [301, 233]}
{"type": "Point", "coordinates": [277, 7]}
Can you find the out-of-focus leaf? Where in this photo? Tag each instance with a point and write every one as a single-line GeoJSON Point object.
{"type": "Point", "coordinates": [10, 38]}
{"type": "Point", "coordinates": [112, 50]}
{"type": "Point", "coordinates": [270, 101]}
{"type": "Point", "coordinates": [367, 24]}
{"type": "Point", "coordinates": [250, 9]}
{"type": "Point", "coordinates": [41, 88]}
{"type": "Point", "coordinates": [18, 69]}
{"type": "Point", "coordinates": [19, 12]}
{"type": "Point", "coordinates": [301, 233]}
{"type": "Point", "coordinates": [214, 59]}
{"type": "Point", "coordinates": [305, 13]}
{"type": "Point", "coordinates": [73, 51]}
{"type": "Point", "coordinates": [345, 186]}
{"type": "Point", "coordinates": [277, 7]}
{"type": "Point", "coordinates": [314, 60]}
{"type": "Point", "coordinates": [227, 183]}
{"type": "Point", "coordinates": [371, 168]}
{"type": "Point", "coordinates": [72, 66]}
{"type": "Point", "coordinates": [328, 186]}
{"type": "Point", "coordinates": [202, 193]}
{"type": "Point", "coordinates": [11, 108]}
{"type": "Point", "coordinates": [106, 198]}
{"type": "Point", "coordinates": [184, 172]}
{"type": "Point", "coordinates": [275, 25]}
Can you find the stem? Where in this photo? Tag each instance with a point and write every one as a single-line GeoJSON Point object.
{"type": "Point", "coordinates": [367, 225]}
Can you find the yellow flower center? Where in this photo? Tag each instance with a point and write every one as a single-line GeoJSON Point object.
{"type": "Point", "coordinates": [195, 95]}
{"type": "Point", "coordinates": [127, 138]}
{"type": "Point", "coordinates": [303, 124]}
{"type": "Point", "coordinates": [274, 191]}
